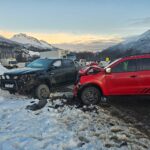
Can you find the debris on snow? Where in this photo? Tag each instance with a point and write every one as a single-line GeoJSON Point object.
{"type": "Point", "coordinates": [62, 126]}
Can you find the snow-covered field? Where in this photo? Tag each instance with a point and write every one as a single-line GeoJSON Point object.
{"type": "Point", "coordinates": [63, 127]}
{"type": "Point", "coordinates": [60, 126]}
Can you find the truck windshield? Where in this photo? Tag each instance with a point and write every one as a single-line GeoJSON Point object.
{"type": "Point", "coordinates": [40, 63]}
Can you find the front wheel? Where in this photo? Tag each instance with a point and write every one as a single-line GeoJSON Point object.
{"type": "Point", "coordinates": [42, 91]}
{"type": "Point", "coordinates": [11, 92]}
{"type": "Point", "coordinates": [90, 95]}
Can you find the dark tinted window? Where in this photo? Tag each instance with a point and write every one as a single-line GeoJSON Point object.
{"type": "Point", "coordinates": [40, 63]}
{"type": "Point", "coordinates": [68, 63]}
{"type": "Point", "coordinates": [144, 64]}
{"type": "Point", "coordinates": [126, 66]}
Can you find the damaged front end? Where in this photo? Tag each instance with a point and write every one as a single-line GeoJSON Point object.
{"type": "Point", "coordinates": [22, 84]}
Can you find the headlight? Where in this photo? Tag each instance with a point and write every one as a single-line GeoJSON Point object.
{"type": "Point", "coordinates": [15, 77]}
{"type": "Point", "coordinates": [3, 77]}
{"type": "Point", "coordinates": [23, 77]}
{"type": "Point", "coordinates": [7, 77]}
{"type": "Point", "coordinates": [27, 77]}
{"type": "Point", "coordinates": [30, 76]}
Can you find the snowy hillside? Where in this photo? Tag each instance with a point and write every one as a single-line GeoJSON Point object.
{"type": "Point", "coordinates": [5, 40]}
{"type": "Point", "coordinates": [19, 43]}
{"type": "Point", "coordinates": [31, 41]}
{"type": "Point", "coordinates": [136, 45]}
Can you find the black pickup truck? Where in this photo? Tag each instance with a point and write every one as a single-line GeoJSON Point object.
{"type": "Point", "coordinates": [39, 77]}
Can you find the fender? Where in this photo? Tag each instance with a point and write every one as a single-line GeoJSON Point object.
{"type": "Point", "coordinates": [98, 80]}
{"type": "Point", "coordinates": [44, 78]}
{"type": "Point", "coordinates": [96, 84]}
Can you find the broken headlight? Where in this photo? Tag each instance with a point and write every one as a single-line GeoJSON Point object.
{"type": "Point", "coordinates": [7, 77]}
{"type": "Point", "coordinates": [15, 77]}
{"type": "Point", "coordinates": [3, 77]}
{"type": "Point", "coordinates": [27, 77]}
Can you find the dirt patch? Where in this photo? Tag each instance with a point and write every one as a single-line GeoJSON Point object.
{"type": "Point", "coordinates": [134, 111]}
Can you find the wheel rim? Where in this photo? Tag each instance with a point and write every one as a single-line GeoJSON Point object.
{"type": "Point", "coordinates": [43, 93]}
{"type": "Point", "coordinates": [90, 96]}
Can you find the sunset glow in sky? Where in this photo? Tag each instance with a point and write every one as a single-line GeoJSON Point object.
{"type": "Point", "coordinates": [67, 21]}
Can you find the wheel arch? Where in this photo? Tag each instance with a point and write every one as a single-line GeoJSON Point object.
{"type": "Point", "coordinates": [44, 81]}
{"type": "Point", "coordinates": [90, 84]}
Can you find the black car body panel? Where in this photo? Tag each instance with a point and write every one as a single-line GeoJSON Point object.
{"type": "Point", "coordinates": [21, 71]}
{"type": "Point", "coordinates": [25, 80]}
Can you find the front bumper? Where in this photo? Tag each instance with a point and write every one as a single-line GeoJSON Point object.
{"type": "Point", "coordinates": [18, 86]}
{"type": "Point", "coordinates": [8, 85]}
{"type": "Point", "coordinates": [76, 89]}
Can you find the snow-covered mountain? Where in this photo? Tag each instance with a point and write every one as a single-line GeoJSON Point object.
{"type": "Point", "coordinates": [135, 45]}
{"type": "Point", "coordinates": [92, 46]}
{"type": "Point", "coordinates": [31, 41]}
{"type": "Point", "coordinates": [22, 43]}
{"type": "Point", "coordinates": [5, 40]}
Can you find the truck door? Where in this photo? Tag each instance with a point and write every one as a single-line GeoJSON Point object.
{"type": "Point", "coordinates": [70, 70]}
{"type": "Point", "coordinates": [57, 73]}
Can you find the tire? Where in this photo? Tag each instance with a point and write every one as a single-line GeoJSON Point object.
{"type": "Point", "coordinates": [42, 92]}
{"type": "Point", "coordinates": [90, 95]}
{"type": "Point", "coordinates": [12, 92]}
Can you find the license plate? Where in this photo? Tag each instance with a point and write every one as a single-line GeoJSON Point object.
{"type": "Point", "coordinates": [9, 85]}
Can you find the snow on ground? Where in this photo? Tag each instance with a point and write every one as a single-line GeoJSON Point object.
{"type": "Point", "coordinates": [63, 127]}
{"type": "Point", "coordinates": [2, 69]}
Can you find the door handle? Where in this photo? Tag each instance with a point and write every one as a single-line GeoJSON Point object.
{"type": "Point", "coordinates": [133, 76]}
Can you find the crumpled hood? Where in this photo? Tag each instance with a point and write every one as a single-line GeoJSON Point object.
{"type": "Point", "coordinates": [83, 71]}
{"type": "Point", "coordinates": [21, 71]}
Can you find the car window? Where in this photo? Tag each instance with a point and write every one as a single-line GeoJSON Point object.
{"type": "Point", "coordinates": [144, 64]}
{"type": "Point", "coordinates": [126, 66]}
{"type": "Point", "coordinates": [40, 63]}
{"type": "Point", "coordinates": [68, 63]}
{"type": "Point", "coordinates": [57, 63]}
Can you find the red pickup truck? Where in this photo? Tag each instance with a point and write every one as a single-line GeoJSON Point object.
{"type": "Point", "coordinates": [125, 76]}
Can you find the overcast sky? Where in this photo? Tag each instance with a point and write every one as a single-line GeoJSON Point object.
{"type": "Point", "coordinates": [59, 21]}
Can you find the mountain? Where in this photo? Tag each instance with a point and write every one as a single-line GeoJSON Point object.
{"type": "Point", "coordinates": [29, 41]}
{"type": "Point", "coordinates": [7, 43]}
{"type": "Point", "coordinates": [135, 45]}
{"type": "Point", "coordinates": [4, 40]}
{"type": "Point", "coordinates": [22, 44]}
{"type": "Point", "coordinates": [91, 45]}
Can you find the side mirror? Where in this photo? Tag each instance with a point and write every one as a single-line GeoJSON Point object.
{"type": "Point", "coordinates": [108, 70]}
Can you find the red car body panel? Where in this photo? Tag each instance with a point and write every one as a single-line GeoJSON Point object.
{"type": "Point", "coordinates": [122, 83]}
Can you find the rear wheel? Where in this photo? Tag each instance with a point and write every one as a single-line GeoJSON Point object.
{"type": "Point", "coordinates": [90, 95]}
{"type": "Point", "coordinates": [42, 91]}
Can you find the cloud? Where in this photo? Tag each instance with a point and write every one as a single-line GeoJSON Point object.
{"type": "Point", "coordinates": [141, 21]}
{"type": "Point", "coordinates": [57, 38]}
